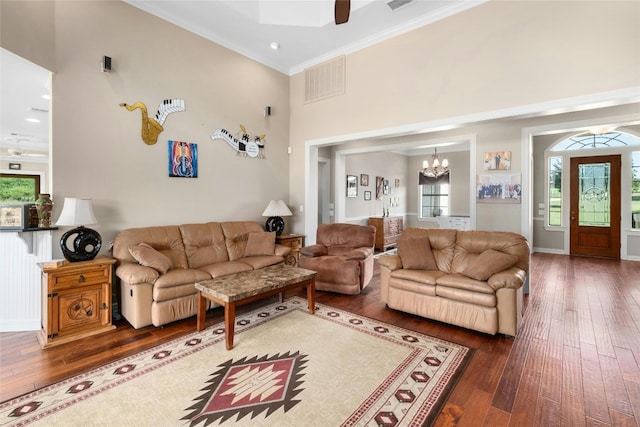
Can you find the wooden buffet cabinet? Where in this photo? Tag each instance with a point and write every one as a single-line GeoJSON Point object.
{"type": "Point", "coordinates": [388, 230]}
{"type": "Point", "coordinates": [76, 300]}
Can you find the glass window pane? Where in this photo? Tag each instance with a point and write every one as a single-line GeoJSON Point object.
{"type": "Point", "coordinates": [593, 192]}
{"type": "Point", "coordinates": [434, 200]}
{"type": "Point", "coordinates": [19, 189]}
{"type": "Point", "coordinates": [635, 189]}
{"type": "Point", "coordinates": [554, 204]}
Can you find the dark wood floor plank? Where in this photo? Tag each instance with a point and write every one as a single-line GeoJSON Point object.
{"type": "Point", "coordinates": [596, 407]}
{"type": "Point", "coordinates": [615, 390]}
{"type": "Point", "coordinates": [575, 361]}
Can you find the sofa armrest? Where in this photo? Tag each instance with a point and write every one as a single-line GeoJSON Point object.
{"type": "Point", "coordinates": [135, 273]}
{"type": "Point", "coordinates": [314, 250]}
{"type": "Point", "coordinates": [282, 250]}
{"type": "Point", "coordinates": [360, 253]}
{"type": "Point", "coordinates": [392, 262]}
{"type": "Point", "coordinates": [512, 278]}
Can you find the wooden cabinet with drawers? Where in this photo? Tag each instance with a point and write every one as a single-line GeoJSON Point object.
{"type": "Point", "coordinates": [293, 241]}
{"type": "Point", "coordinates": [76, 300]}
{"type": "Point", "coordinates": [388, 230]}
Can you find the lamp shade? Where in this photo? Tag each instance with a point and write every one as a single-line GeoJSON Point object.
{"type": "Point", "coordinates": [77, 212]}
{"type": "Point", "coordinates": [277, 208]}
{"type": "Point", "coordinates": [81, 243]}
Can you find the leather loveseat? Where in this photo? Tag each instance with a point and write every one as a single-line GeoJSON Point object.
{"type": "Point", "coordinates": [342, 257]}
{"type": "Point", "coordinates": [472, 279]}
{"type": "Point", "coordinates": [158, 267]}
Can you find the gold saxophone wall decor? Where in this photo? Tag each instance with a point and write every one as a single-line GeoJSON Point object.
{"type": "Point", "coordinates": [151, 127]}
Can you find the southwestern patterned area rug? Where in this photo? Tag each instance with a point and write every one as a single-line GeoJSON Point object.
{"type": "Point", "coordinates": [287, 368]}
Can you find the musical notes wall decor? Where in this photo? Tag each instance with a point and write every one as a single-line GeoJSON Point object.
{"type": "Point", "coordinates": [244, 144]}
{"type": "Point", "coordinates": [151, 127]}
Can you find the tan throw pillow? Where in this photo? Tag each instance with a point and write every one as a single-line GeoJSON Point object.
{"type": "Point", "coordinates": [149, 257]}
{"type": "Point", "coordinates": [260, 243]}
{"type": "Point", "coordinates": [489, 263]}
{"type": "Point", "coordinates": [416, 254]}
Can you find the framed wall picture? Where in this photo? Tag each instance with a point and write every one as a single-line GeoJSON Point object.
{"type": "Point", "coordinates": [15, 166]}
{"type": "Point", "coordinates": [364, 180]}
{"type": "Point", "coordinates": [352, 186]}
{"type": "Point", "coordinates": [497, 160]}
{"type": "Point", "coordinates": [367, 195]}
{"type": "Point", "coordinates": [379, 187]}
{"type": "Point", "coordinates": [498, 188]}
{"type": "Point", "coordinates": [183, 159]}
{"type": "Point", "coordinates": [397, 182]}
{"type": "Point", "coordinates": [385, 187]}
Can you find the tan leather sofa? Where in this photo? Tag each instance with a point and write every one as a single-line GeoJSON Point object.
{"type": "Point", "coordinates": [158, 266]}
{"type": "Point", "coordinates": [472, 279]}
{"type": "Point", "coordinates": [342, 257]}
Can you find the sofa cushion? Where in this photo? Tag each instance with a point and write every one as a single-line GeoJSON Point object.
{"type": "Point", "coordinates": [146, 255]}
{"type": "Point", "coordinates": [260, 243]}
{"type": "Point", "coordinates": [416, 254]}
{"type": "Point", "coordinates": [204, 243]}
{"type": "Point", "coordinates": [488, 263]}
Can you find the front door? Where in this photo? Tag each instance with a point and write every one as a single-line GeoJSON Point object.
{"type": "Point", "coordinates": [595, 206]}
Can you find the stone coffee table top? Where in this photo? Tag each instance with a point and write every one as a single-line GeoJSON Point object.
{"type": "Point", "coordinates": [238, 286]}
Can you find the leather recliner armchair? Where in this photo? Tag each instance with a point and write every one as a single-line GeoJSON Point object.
{"type": "Point", "coordinates": [342, 257]}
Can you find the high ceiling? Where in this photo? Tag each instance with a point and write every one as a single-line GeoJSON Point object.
{"type": "Point", "coordinates": [304, 29]}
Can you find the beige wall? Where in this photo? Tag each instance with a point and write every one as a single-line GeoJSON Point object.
{"type": "Point", "coordinates": [499, 55]}
{"type": "Point", "coordinates": [390, 166]}
{"type": "Point", "coordinates": [27, 29]}
{"type": "Point", "coordinates": [97, 148]}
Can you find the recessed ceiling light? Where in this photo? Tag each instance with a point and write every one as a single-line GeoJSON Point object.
{"type": "Point", "coordinates": [32, 120]}
{"type": "Point", "coordinates": [275, 45]}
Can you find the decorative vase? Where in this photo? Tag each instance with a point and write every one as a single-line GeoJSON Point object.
{"type": "Point", "coordinates": [44, 205]}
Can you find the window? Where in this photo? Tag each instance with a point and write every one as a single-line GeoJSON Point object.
{"type": "Point", "coordinates": [554, 201]}
{"type": "Point", "coordinates": [434, 200]}
{"type": "Point", "coordinates": [635, 189]}
{"type": "Point", "coordinates": [16, 189]}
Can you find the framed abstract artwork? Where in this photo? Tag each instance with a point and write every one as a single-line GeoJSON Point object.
{"type": "Point", "coordinates": [183, 159]}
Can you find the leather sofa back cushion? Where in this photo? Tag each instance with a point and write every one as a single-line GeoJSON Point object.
{"type": "Point", "coordinates": [165, 239]}
{"type": "Point", "coordinates": [204, 244]}
{"type": "Point", "coordinates": [488, 263]}
{"type": "Point", "coordinates": [416, 253]}
{"type": "Point", "coordinates": [260, 243]}
{"type": "Point", "coordinates": [236, 236]}
{"type": "Point", "coordinates": [149, 257]}
{"type": "Point", "coordinates": [346, 235]}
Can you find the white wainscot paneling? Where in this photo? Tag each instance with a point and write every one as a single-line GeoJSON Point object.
{"type": "Point", "coordinates": [20, 289]}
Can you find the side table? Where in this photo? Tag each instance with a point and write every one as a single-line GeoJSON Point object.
{"type": "Point", "coordinates": [293, 241]}
{"type": "Point", "coordinates": [76, 300]}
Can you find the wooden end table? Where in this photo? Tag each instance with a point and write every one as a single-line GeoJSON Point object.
{"type": "Point", "coordinates": [242, 288]}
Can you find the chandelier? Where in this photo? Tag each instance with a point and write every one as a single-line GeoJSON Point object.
{"type": "Point", "coordinates": [437, 168]}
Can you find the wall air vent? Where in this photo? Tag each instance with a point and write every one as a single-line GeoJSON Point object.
{"type": "Point", "coordinates": [395, 4]}
{"type": "Point", "coordinates": [325, 80]}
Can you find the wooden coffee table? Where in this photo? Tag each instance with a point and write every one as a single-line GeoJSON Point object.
{"type": "Point", "coordinates": [241, 288]}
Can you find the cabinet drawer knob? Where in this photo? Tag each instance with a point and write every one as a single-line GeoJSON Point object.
{"type": "Point", "coordinates": [81, 279]}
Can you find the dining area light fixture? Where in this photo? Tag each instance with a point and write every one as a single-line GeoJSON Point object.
{"type": "Point", "coordinates": [437, 168]}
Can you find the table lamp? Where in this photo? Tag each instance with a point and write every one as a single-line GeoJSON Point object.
{"type": "Point", "coordinates": [86, 242]}
{"type": "Point", "coordinates": [275, 211]}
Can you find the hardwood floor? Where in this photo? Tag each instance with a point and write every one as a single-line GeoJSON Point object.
{"type": "Point", "coordinates": [575, 361]}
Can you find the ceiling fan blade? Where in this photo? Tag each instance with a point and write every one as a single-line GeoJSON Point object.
{"type": "Point", "coordinates": [342, 9]}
